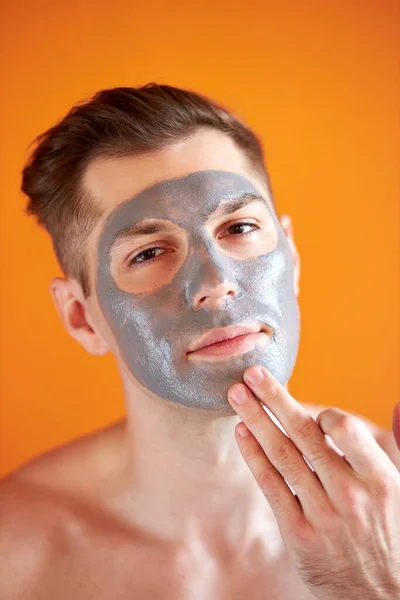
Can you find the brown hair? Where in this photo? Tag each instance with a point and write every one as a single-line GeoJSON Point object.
{"type": "Point", "coordinates": [116, 122]}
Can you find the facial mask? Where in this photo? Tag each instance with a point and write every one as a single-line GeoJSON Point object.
{"type": "Point", "coordinates": [154, 330]}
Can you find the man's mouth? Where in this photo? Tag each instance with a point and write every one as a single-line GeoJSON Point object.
{"type": "Point", "coordinates": [225, 342]}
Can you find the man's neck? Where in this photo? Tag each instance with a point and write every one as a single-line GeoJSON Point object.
{"type": "Point", "coordinates": [184, 478]}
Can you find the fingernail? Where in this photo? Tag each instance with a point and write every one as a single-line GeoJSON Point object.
{"type": "Point", "coordinates": [242, 431]}
{"type": "Point", "coordinates": [238, 394]}
{"type": "Point", "coordinates": [255, 376]}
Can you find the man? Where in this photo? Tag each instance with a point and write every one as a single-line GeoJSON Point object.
{"type": "Point", "coordinates": [162, 218]}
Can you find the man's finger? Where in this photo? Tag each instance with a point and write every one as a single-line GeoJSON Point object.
{"type": "Point", "coordinates": [352, 436]}
{"type": "Point", "coordinates": [283, 502]}
{"type": "Point", "coordinates": [301, 428]}
{"type": "Point", "coordinates": [396, 424]}
{"type": "Point", "coordinates": [279, 450]}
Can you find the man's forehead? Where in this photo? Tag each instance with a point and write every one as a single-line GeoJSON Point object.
{"type": "Point", "coordinates": [201, 189]}
{"type": "Point", "coordinates": [110, 180]}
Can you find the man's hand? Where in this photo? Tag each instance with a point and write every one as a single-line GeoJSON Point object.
{"type": "Point", "coordinates": [396, 424]}
{"type": "Point", "coordinates": [342, 526]}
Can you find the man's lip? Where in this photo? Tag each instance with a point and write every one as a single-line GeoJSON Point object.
{"type": "Point", "coordinates": [226, 333]}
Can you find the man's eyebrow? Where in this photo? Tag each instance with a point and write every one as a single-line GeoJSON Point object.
{"type": "Point", "coordinates": [229, 206]}
{"type": "Point", "coordinates": [139, 229]}
{"type": "Point", "coordinates": [143, 227]}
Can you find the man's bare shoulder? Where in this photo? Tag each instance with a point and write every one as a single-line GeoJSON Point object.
{"type": "Point", "coordinates": [66, 476]}
{"type": "Point", "coordinates": [45, 506]}
{"type": "Point", "coordinates": [74, 466]}
{"type": "Point", "coordinates": [29, 515]}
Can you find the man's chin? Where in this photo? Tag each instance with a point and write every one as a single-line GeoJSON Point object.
{"type": "Point", "coordinates": [204, 384]}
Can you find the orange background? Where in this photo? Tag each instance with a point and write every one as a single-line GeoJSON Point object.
{"type": "Point", "coordinates": [318, 80]}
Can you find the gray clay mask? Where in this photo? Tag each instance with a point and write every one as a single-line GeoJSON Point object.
{"type": "Point", "coordinates": [154, 329]}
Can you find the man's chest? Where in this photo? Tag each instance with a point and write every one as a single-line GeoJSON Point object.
{"type": "Point", "coordinates": [139, 573]}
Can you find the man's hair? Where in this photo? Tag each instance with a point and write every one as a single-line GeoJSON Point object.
{"type": "Point", "coordinates": [117, 122]}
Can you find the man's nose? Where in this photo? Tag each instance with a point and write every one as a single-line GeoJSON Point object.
{"type": "Point", "coordinates": [212, 284]}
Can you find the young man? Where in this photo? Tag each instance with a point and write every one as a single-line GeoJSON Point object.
{"type": "Point", "coordinates": [159, 206]}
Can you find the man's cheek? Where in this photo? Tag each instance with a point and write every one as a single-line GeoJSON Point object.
{"type": "Point", "coordinates": [142, 321]}
{"type": "Point", "coordinates": [262, 278]}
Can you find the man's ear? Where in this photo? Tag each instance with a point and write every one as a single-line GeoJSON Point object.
{"type": "Point", "coordinates": [286, 223]}
{"type": "Point", "coordinates": [70, 303]}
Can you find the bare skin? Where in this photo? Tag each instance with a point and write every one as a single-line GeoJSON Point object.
{"type": "Point", "coordinates": [162, 504]}
{"type": "Point", "coordinates": [69, 528]}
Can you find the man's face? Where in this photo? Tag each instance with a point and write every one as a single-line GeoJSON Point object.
{"type": "Point", "coordinates": [194, 248]}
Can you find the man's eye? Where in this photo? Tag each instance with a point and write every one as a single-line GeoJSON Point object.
{"type": "Point", "coordinates": [146, 256]}
{"type": "Point", "coordinates": [242, 229]}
